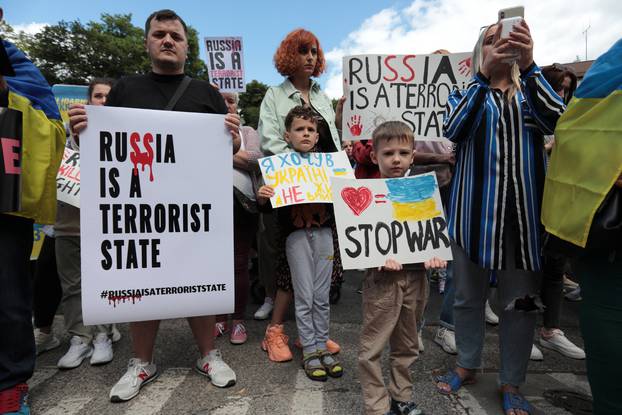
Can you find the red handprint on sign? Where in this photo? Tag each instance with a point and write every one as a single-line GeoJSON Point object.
{"type": "Point", "coordinates": [464, 66]}
{"type": "Point", "coordinates": [356, 128]}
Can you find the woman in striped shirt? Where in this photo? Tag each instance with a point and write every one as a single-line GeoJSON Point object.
{"type": "Point", "coordinates": [498, 124]}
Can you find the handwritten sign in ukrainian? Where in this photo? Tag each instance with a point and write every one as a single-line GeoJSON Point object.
{"type": "Point", "coordinates": [68, 178]}
{"type": "Point", "coordinates": [303, 177]}
{"type": "Point", "coordinates": [225, 63]}
{"type": "Point", "coordinates": [409, 88]}
{"type": "Point", "coordinates": [389, 218]}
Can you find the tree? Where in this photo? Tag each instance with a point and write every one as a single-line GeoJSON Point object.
{"type": "Point", "coordinates": [74, 53]}
{"type": "Point", "coordinates": [250, 101]}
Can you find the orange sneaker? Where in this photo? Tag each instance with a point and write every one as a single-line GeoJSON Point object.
{"type": "Point", "coordinates": [331, 346]}
{"type": "Point", "coordinates": [275, 343]}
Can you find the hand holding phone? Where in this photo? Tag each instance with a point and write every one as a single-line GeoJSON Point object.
{"type": "Point", "coordinates": [508, 19]}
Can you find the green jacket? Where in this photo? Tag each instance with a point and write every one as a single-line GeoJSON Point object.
{"type": "Point", "coordinates": [274, 108]}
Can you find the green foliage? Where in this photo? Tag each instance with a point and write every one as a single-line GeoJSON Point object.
{"type": "Point", "coordinates": [74, 53]}
{"type": "Point", "coordinates": [250, 101]}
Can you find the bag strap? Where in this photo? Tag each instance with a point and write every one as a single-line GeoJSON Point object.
{"type": "Point", "coordinates": [178, 93]}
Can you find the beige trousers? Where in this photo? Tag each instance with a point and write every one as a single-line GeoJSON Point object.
{"type": "Point", "coordinates": [393, 303]}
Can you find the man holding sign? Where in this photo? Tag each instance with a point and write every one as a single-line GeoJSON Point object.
{"type": "Point", "coordinates": [166, 87]}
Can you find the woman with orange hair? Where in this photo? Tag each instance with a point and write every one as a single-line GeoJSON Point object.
{"type": "Point", "coordinates": [298, 58]}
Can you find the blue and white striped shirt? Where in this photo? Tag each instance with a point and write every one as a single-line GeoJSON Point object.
{"type": "Point", "coordinates": [500, 167]}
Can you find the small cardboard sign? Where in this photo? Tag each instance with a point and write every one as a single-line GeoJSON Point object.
{"type": "Point", "coordinates": [303, 177]}
{"type": "Point", "coordinates": [225, 63]}
{"type": "Point", "coordinates": [389, 218]}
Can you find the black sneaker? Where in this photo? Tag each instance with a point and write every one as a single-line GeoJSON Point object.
{"type": "Point", "coordinates": [405, 408]}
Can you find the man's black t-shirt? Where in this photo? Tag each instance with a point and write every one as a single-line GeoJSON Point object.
{"type": "Point", "coordinates": [153, 91]}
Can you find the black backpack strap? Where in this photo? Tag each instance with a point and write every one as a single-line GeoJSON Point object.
{"type": "Point", "coordinates": [178, 93]}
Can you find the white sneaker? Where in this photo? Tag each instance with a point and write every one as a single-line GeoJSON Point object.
{"type": "Point", "coordinates": [491, 317]}
{"type": "Point", "coordinates": [421, 346]}
{"type": "Point", "coordinates": [216, 369]}
{"type": "Point", "coordinates": [78, 351]}
{"type": "Point", "coordinates": [536, 354]}
{"type": "Point", "coordinates": [116, 334]}
{"type": "Point", "coordinates": [264, 311]}
{"type": "Point", "coordinates": [138, 375]}
{"type": "Point", "coordinates": [102, 349]}
{"type": "Point", "coordinates": [574, 295]}
{"type": "Point", "coordinates": [446, 339]}
{"type": "Point", "coordinates": [559, 342]}
{"type": "Point", "coordinates": [45, 341]}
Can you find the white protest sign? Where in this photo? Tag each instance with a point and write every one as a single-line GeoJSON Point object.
{"type": "Point", "coordinates": [68, 178]}
{"type": "Point", "coordinates": [225, 63]}
{"type": "Point", "coordinates": [303, 177]}
{"type": "Point", "coordinates": [389, 218]}
{"type": "Point", "coordinates": [157, 215]}
{"type": "Point", "coordinates": [408, 88]}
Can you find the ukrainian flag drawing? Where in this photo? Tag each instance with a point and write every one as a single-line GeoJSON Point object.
{"type": "Point", "coordinates": [587, 157]}
{"type": "Point", "coordinates": [412, 198]}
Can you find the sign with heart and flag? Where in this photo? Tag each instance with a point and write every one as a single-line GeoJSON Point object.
{"type": "Point", "coordinates": [399, 218]}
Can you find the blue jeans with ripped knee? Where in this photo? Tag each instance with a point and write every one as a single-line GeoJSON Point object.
{"type": "Point", "coordinates": [517, 319]}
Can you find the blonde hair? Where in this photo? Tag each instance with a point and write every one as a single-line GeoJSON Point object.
{"type": "Point", "coordinates": [390, 130]}
{"type": "Point", "coordinates": [478, 59]}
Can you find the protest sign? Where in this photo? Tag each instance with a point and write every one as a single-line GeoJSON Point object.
{"type": "Point", "coordinates": [389, 218]}
{"type": "Point", "coordinates": [10, 160]}
{"type": "Point", "coordinates": [303, 177]}
{"type": "Point", "coordinates": [225, 63]}
{"type": "Point", "coordinates": [67, 95]}
{"type": "Point", "coordinates": [68, 178]}
{"type": "Point", "coordinates": [408, 88]}
{"type": "Point", "coordinates": [156, 215]}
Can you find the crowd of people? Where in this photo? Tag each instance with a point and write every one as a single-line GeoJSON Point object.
{"type": "Point", "coordinates": [492, 181]}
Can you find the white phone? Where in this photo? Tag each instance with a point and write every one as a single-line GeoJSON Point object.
{"type": "Point", "coordinates": [509, 18]}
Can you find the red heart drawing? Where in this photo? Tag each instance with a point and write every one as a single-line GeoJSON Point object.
{"type": "Point", "coordinates": [357, 199]}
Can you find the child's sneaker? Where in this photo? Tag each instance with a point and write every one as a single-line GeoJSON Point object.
{"type": "Point", "coordinates": [45, 341]}
{"type": "Point", "coordinates": [275, 343]}
{"type": "Point", "coordinates": [220, 328]}
{"type": "Point", "coordinates": [216, 369]}
{"type": "Point", "coordinates": [405, 408]}
{"type": "Point", "coordinates": [238, 334]}
{"type": "Point", "coordinates": [331, 346]}
{"type": "Point", "coordinates": [138, 374]}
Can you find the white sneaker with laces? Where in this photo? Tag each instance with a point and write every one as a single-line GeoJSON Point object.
{"type": "Point", "coordinates": [138, 374]}
{"type": "Point", "coordinates": [536, 354]}
{"type": "Point", "coordinates": [446, 339]}
{"type": "Point", "coordinates": [216, 369]}
{"type": "Point", "coordinates": [560, 343]}
{"type": "Point", "coordinates": [102, 349]}
{"type": "Point", "coordinates": [264, 311]}
{"type": "Point", "coordinates": [45, 341]}
{"type": "Point", "coordinates": [78, 351]}
{"type": "Point", "coordinates": [491, 317]}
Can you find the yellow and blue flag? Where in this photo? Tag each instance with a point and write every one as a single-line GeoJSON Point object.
{"type": "Point", "coordinates": [43, 137]}
{"type": "Point", "coordinates": [587, 157]}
